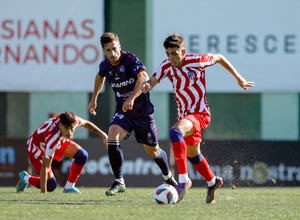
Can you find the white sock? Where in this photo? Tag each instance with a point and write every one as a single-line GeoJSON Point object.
{"type": "Point", "coordinates": [166, 177]}
{"type": "Point", "coordinates": [69, 185]}
{"type": "Point", "coordinates": [121, 180]}
{"type": "Point", "coordinates": [26, 179]}
{"type": "Point", "coordinates": [212, 182]}
{"type": "Point", "coordinates": [183, 178]}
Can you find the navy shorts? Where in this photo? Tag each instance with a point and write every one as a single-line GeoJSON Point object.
{"type": "Point", "coordinates": [144, 127]}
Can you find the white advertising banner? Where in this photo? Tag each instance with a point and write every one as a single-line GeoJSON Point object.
{"type": "Point", "coordinates": [260, 38]}
{"type": "Point", "coordinates": [50, 45]}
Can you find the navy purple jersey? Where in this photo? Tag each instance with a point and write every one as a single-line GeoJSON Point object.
{"type": "Point", "coordinates": [122, 78]}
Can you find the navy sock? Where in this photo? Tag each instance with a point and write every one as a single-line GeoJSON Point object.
{"type": "Point", "coordinates": [162, 161]}
{"type": "Point", "coordinates": [116, 158]}
{"type": "Point", "coordinates": [195, 160]}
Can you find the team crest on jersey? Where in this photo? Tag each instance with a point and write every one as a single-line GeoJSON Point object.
{"type": "Point", "coordinates": [50, 152]}
{"type": "Point", "coordinates": [136, 67]}
{"type": "Point", "coordinates": [191, 73]}
{"type": "Point", "coordinates": [122, 69]}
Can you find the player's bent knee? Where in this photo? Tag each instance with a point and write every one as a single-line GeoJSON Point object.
{"type": "Point", "coordinates": [175, 135]}
{"type": "Point", "coordinates": [51, 184]}
{"type": "Point", "coordinates": [152, 151]}
{"type": "Point", "coordinates": [81, 157]}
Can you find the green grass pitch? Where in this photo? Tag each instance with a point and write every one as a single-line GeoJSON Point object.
{"type": "Point", "coordinates": [137, 203]}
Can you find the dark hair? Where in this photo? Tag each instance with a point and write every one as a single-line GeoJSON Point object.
{"type": "Point", "coordinates": [67, 119]}
{"type": "Point", "coordinates": [51, 114]}
{"type": "Point", "coordinates": [174, 40]}
{"type": "Point", "coordinates": [108, 37]}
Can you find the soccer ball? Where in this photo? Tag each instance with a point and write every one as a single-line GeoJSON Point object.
{"type": "Point", "coordinates": [165, 194]}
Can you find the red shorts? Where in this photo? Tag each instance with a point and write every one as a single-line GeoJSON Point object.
{"type": "Point", "coordinates": [200, 122]}
{"type": "Point", "coordinates": [37, 163]}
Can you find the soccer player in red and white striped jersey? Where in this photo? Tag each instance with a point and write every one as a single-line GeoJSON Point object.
{"type": "Point", "coordinates": [186, 72]}
{"type": "Point", "coordinates": [53, 139]}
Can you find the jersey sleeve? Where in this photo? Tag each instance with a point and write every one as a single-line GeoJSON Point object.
{"type": "Point", "coordinates": [52, 143]}
{"type": "Point", "coordinates": [162, 70]}
{"type": "Point", "coordinates": [135, 65]}
{"type": "Point", "coordinates": [206, 60]}
{"type": "Point", "coordinates": [101, 67]}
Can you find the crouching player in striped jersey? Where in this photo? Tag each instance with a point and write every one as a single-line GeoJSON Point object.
{"type": "Point", "coordinates": [187, 75]}
{"type": "Point", "coordinates": [53, 139]}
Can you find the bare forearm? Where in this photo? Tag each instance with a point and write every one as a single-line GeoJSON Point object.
{"type": "Point", "coordinates": [153, 81]}
{"type": "Point", "coordinates": [99, 81]}
{"type": "Point", "coordinates": [229, 67]}
{"type": "Point", "coordinates": [94, 129]}
{"type": "Point", "coordinates": [142, 77]}
{"type": "Point", "coordinates": [137, 89]}
{"type": "Point", "coordinates": [43, 179]}
{"type": "Point", "coordinates": [244, 84]}
{"type": "Point", "coordinates": [149, 84]}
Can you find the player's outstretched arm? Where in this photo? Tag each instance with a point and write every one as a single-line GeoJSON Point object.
{"type": "Point", "coordinates": [244, 84]}
{"type": "Point", "coordinates": [99, 81]}
{"type": "Point", "coordinates": [90, 126]}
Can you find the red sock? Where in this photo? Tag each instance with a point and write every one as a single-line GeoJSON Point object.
{"type": "Point", "coordinates": [203, 168]}
{"type": "Point", "coordinates": [34, 181]}
{"type": "Point", "coordinates": [180, 155]}
{"type": "Point", "coordinates": [75, 172]}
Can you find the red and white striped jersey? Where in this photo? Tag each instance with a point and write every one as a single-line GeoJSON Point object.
{"type": "Point", "coordinates": [46, 139]}
{"type": "Point", "coordinates": [188, 82]}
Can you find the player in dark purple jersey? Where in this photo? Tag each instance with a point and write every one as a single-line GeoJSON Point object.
{"type": "Point", "coordinates": [134, 110]}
